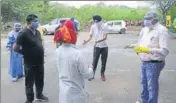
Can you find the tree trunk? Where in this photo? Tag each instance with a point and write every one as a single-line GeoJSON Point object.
{"type": "Point", "coordinates": [164, 13]}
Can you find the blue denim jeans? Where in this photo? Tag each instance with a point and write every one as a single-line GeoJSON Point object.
{"type": "Point", "coordinates": [150, 86]}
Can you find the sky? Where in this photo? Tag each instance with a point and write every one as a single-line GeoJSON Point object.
{"type": "Point", "coordinates": [132, 4]}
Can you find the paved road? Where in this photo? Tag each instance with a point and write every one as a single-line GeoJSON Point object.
{"type": "Point", "coordinates": [123, 74]}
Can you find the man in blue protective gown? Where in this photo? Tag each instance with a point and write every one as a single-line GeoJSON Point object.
{"type": "Point", "coordinates": [16, 65]}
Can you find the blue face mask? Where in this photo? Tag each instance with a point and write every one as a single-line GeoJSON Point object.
{"type": "Point", "coordinates": [35, 25]}
{"type": "Point", "coordinates": [147, 23]}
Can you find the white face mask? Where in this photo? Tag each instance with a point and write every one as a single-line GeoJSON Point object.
{"type": "Point", "coordinates": [99, 24]}
{"type": "Point", "coordinates": [148, 23]}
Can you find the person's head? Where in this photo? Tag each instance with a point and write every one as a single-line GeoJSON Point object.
{"type": "Point", "coordinates": [97, 18]}
{"type": "Point", "coordinates": [32, 21]}
{"type": "Point", "coordinates": [62, 22]}
{"type": "Point", "coordinates": [17, 27]}
{"type": "Point", "coordinates": [72, 18]}
{"type": "Point", "coordinates": [66, 34]}
{"type": "Point", "coordinates": [69, 24]}
{"type": "Point", "coordinates": [150, 19]}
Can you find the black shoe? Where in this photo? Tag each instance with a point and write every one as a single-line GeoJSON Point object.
{"type": "Point", "coordinates": [21, 76]}
{"type": "Point", "coordinates": [28, 102]}
{"type": "Point", "coordinates": [90, 79]}
{"type": "Point", "coordinates": [42, 98]}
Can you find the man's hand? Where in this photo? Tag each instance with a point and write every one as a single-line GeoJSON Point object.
{"type": "Point", "coordinates": [127, 46]}
{"type": "Point", "coordinates": [130, 46]}
{"type": "Point", "coordinates": [97, 41]}
{"type": "Point", "coordinates": [104, 38]}
{"type": "Point", "coordinates": [90, 66]}
{"type": "Point", "coordinates": [8, 52]}
{"type": "Point", "coordinates": [84, 42]}
{"type": "Point", "coordinates": [16, 47]}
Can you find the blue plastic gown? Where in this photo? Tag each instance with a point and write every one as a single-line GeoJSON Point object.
{"type": "Point", "coordinates": [16, 60]}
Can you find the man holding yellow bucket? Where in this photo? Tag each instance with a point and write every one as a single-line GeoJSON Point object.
{"type": "Point", "coordinates": [152, 49]}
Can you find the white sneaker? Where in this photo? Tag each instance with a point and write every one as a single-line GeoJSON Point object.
{"type": "Point", "coordinates": [14, 79]}
{"type": "Point", "coordinates": [138, 102]}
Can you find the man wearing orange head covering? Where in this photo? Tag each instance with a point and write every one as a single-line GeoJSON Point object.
{"type": "Point", "coordinates": [66, 33]}
{"type": "Point", "coordinates": [72, 66]}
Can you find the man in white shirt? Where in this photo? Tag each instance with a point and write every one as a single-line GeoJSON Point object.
{"type": "Point", "coordinates": [99, 32]}
{"type": "Point", "coordinates": [152, 49]}
{"type": "Point", "coordinates": [72, 67]}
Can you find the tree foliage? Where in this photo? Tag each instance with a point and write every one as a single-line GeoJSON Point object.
{"type": "Point", "coordinates": [18, 10]}
{"type": "Point", "coordinates": [164, 7]}
{"type": "Point", "coordinates": [172, 12]}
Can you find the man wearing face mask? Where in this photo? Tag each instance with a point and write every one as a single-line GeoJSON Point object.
{"type": "Point", "coordinates": [99, 32]}
{"type": "Point", "coordinates": [16, 65]}
{"type": "Point", "coordinates": [32, 49]}
{"type": "Point", "coordinates": [152, 49]}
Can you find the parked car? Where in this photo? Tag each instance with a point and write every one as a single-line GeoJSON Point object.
{"type": "Point", "coordinates": [50, 27]}
{"type": "Point", "coordinates": [116, 26]}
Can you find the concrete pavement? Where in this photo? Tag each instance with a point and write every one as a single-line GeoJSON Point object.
{"type": "Point", "coordinates": [122, 73]}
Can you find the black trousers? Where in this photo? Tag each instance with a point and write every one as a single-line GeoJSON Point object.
{"type": "Point", "coordinates": [104, 55]}
{"type": "Point", "coordinates": [34, 74]}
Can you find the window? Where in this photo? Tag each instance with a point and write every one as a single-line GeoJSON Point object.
{"type": "Point", "coordinates": [117, 23]}
{"type": "Point", "coordinates": [55, 21]}
{"type": "Point", "coordinates": [110, 23]}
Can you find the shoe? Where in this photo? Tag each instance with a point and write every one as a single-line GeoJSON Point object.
{"type": "Point", "coordinates": [103, 77]}
{"type": "Point", "coordinates": [14, 79]}
{"type": "Point", "coordinates": [138, 102]}
{"type": "Point", "coordinates": [28, 102]}
{"type": "Point", "coordinates": [90, 79]}
{"type": "Point", "coordinates": [21, 76]}
{"type": "Point", "coordinates": [42, 98]}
